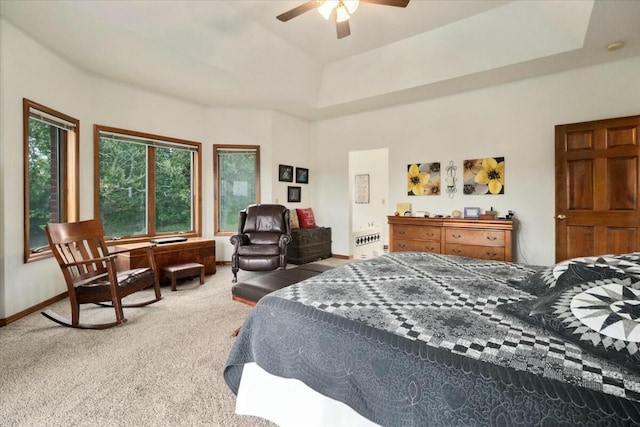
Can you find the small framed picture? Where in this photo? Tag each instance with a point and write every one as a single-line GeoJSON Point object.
{"type": "Point", "coordinates": [302, 175]}
{"type": "Point", "coordinates": [472, 212]}
{"type": "Point", "coordinates": [362, 188]}
{"type": "Point", "coordinates": [285, 173]}
{"type": "Point", "coordinates": [294, 194]}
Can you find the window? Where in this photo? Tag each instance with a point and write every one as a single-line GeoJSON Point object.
{"type": "Point", "coordinates": [237, 182]}
{"type": "Point", "coordinates": [50, 174]}
{"type": "Point", "coordinates": [146, 185]}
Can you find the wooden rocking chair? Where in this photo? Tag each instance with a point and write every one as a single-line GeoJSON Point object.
{"type": "Point", "coordinates": [90, 272]}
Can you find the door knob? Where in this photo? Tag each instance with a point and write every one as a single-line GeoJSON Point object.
{"type": "Point", "coordinates": [562, 217]}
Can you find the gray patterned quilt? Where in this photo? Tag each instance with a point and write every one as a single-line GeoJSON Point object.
{"type": "Point", "coordinates": [415, 339]}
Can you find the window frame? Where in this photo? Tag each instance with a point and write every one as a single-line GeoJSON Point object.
{"type": "Point", "coordinates": [216, 182]}
{"type": "Point", "coordinates": [150, 176]}
{"type": "Point", "coordinates": [70, 181]}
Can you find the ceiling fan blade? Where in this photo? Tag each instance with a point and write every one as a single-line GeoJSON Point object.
{"type": "Point", "coordinates": [305, 7]}
{"type": "Point", "coordinates": [396, 3]}
{"type": "Point", "coordinates": [343, 29]}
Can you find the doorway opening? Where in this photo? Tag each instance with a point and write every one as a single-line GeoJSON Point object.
{"type": "Point", "coordinates": [368, 199]}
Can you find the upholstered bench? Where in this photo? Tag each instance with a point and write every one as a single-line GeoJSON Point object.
{"type": "Point", "coordinates": [250, 291]}
{"type": "Point", "coordinates": [189, 269]}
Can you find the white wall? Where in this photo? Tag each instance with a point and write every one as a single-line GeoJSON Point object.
{"type": "Point", "coordinates": [292, 146]}
{"type": "Point", "coordinates": [282, 139]}
{"type": "Point", "coordinates": [514, 120]}
{"type": "Point", "coordinates": [28, 71]}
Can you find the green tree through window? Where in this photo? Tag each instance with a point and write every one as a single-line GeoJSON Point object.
{"type": "Point", "coordinates": [147, 184]}
{"type": "Point", "coordinates": [50, 174]}
{"type": "Point", "coordinates": [237, 171]}
{"type": "Point", "coordinates": [123, 187]}
{"type": "Point", "coordinates": [173, 190]}
{"type": "Point", "coordinates": [45, 189]}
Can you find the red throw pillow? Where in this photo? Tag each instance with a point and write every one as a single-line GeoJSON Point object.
{"type": "Point", "coordinates": [305, 218]}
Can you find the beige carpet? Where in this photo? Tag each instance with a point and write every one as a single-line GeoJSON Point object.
{"type": "Point", "coordinates": [161, 368]}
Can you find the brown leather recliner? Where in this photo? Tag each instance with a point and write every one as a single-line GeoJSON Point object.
{"type": "Point", "coordinates": [264, 232]}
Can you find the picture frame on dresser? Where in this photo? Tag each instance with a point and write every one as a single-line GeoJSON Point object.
{"type": "Point", "coordinates": [472, 212]}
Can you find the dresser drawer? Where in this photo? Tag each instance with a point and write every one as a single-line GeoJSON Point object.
{"type": "Point", "coordinates": [415, 245]}
{"type": "Point", "coordinates": [416, 232]}
{"type": "Point", "coordinates": [484, 252]}
{"type": "Point", "coordinates": [474, 237]}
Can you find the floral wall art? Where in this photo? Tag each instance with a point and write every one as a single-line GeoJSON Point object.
{"type": "Point", "coordinates": [484, 176]}
{"type": "Point", "coordinates": [423, 179]}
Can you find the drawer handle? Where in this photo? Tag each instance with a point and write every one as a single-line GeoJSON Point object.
{"type": "Point", "coordinates": [430, 248]}
{"type": "Point", "coordinates": [457, 251]}
{"type": "Point", "coordinates": [492, 238]}
{"type": "Point", "coordinates": [492, 254]}
{"type": "Point", "coordinates": [401, 232]}
{"type": "Point", "coordinates": [428, 234]}
{"type": "Point", "coordinates": [456, 236]}
{"type": "Point", "coordinates": [402, 245]}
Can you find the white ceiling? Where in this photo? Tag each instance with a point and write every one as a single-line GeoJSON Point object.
{"type": "Point", "coordinates": [234, 53]}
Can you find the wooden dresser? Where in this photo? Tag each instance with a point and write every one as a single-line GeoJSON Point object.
{"type": "Point", "coordinates": [476, 238]}
{"type": "Point", "coordinates": [195, 249]}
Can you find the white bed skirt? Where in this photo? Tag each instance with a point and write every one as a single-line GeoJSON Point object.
{"type": "Point", "coordinates": [289, 402]}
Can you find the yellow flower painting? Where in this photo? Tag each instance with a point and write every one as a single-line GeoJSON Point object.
{"type": "Point", "coordinates": [423, 179]}
{"type": "Point", "coordinates": [484, 176]}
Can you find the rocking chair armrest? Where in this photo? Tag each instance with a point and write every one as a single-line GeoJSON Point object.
{"type": "Point", "coordinates": [88, 261]}
{"type": "Point", "coordinates": [148, 251]}
{"type": "Point", "coordinates": [122, 251]}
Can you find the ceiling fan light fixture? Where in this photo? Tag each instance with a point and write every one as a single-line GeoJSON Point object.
{"type": "Point", "coordinates": [343, 11]}
{"type": "Point", "coordinates": [351, 5]}
{"type": "Point", "coordinates": [327, 7]}
{"type": "Point", "coordinates": [342, 14]}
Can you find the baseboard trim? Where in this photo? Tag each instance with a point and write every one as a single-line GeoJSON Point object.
{"type": "Point", "coordinates": [28, 311]}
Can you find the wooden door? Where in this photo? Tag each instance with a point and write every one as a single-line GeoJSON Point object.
{"type": "Point", "coordinates": [597, 182]}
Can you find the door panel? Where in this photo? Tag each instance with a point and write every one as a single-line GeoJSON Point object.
{"type": "Point", "coordinates": [622, 136]}
{"type": "Point", "coordinates": [580, 240]}
{"type": "Point", "coordinates": [579, 140]}
{"type": "Point", "coordinates": [621, 240]}
{"type": "Point", "coordinates": [597, 181]}
{"type": "Point", "coordinates": [621, 182]}
{"type": "Point", "coordinates": [580, 190]}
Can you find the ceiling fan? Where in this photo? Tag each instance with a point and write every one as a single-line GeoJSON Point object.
{"type": "Point", "coordinates": [341, 9]}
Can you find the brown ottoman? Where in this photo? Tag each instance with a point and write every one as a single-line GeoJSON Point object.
{"type": "Point", "coordinates": [180, 271]}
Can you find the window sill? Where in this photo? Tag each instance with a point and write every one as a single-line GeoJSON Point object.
{"type": "Point", "coordinates": [37, 256]}
{"type": "Point", "coordinates": [145, 239]}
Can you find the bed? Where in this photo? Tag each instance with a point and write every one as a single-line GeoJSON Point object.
{"type": "Point", "coordinates": [417, 339]}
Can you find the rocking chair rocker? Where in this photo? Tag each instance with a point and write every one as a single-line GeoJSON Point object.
{"type": "Point", "coordinates": [89, 270]}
